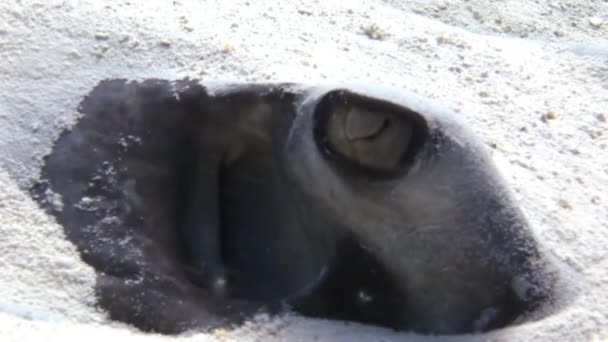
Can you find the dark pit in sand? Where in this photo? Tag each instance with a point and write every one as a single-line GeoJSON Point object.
{"type": "Point", "coordinates": [199, 207]}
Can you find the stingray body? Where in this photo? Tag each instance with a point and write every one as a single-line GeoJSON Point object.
{"type": "Point", "coordinates": [201, 204]}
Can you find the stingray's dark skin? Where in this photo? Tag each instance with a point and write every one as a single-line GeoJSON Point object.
{"type": "Point", "coordinates": [200, 205]}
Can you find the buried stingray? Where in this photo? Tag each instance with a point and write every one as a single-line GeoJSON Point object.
{"type": "Point", "coordinates": [200, 205]}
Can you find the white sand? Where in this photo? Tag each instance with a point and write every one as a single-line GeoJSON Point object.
{"type": "Point", "coordinates": [467, 54]}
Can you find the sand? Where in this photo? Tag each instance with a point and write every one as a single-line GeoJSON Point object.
{"type": "Point", "coordinates": [531, 77]}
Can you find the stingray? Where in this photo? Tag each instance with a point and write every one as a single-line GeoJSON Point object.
{"type": "Point", "coordinates": [201, 204]}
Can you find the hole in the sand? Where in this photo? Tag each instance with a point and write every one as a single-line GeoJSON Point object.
{"type": "Point", "coordinates": [198, 209]}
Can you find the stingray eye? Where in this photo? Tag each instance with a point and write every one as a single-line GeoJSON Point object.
{"type": "Point", "coordinates": [374, 135]}
{"type": "Point", "coordinates": [375, 140]}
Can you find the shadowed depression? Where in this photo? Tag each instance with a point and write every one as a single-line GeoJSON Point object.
{"type": "Point", "coordinates": [200, 205]}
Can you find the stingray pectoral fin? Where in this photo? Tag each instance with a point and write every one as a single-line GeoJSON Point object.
{"type": "Point", "coordinates": [200, 227]}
